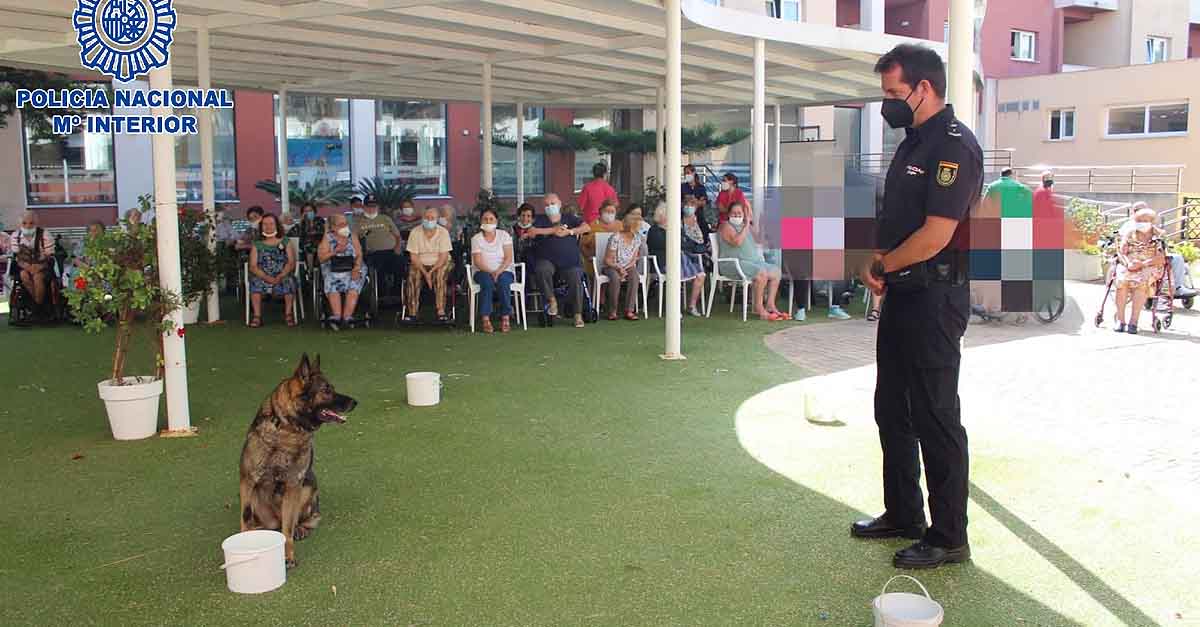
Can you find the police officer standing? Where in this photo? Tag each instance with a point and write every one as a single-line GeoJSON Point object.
{"type": "Point", "coordinates": [935, 179]}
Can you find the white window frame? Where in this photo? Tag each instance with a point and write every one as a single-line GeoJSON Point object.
{"type": "Point", "coordinates": [1061, 111]}
{"type": "Point", "coordinates": [1032, 45]}
{"type": "Point", "coordinates": [1151, 41]}
{"type": "Point", "coordinates": [1145, 134]}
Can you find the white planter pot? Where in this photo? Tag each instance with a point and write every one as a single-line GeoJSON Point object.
{"type": "Point", "coordinates": [191, 312]}
{"type": "Point", "coordinates": [1080, 266]}
{"type": "Point", "coordinates": [132, 408]}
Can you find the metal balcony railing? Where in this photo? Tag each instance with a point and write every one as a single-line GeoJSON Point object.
{"type": "Point", "coordinates": [1108, 178]}
{"type": "Point", "coordinates": [878, 162]}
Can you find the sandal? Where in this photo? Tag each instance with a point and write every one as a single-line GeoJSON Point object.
{"type": "Point", "coordinates": [612, 315]}
{"type": "Point", "coordinates": [487, 326]}
{"type": "Point", "coordinates": [629, 315]}
{"type": "Point", "coordinates": [873, 315]}
{"type": "Point", "coordinates": [255, 322]}
{"type": "Point", "coordinates": [289, 320]}
{"type": "Point", "coordinates": [579, 323]}
{"type": "Point", "coordinates": [504, 326]}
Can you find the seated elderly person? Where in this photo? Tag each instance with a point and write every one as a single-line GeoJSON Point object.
{"type": "Point", "coordinates": [341, 258]}
{"type": "Point", "coordinates": [271, 264]}
{"type": "Point", "coordinates": [522, 244]}
{"type": "Point", "coordinates": [605, 222]}
{"type": "Point", "coordinates": [737, 242]}
{"type": "Point", "coordinates": [1141, 261]}
{"type": "Point", "coordinates": [694, 243]}
{"type": "Point", "coordinates": [557, 252]}
{"type": "Point", "coordinates": [78, 259]}
{"type": "Point", "coordinates": [383, 243]}
{"type": "Point", "coordinates": [492, 256]}
{"type": "Point", "coordinates": [430, 265]}
{"type": "Point", "coordinates": [621, 266]}
{"type": "Point", "coordinates": [32, 251]}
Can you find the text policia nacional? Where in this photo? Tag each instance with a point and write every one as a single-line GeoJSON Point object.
{"type": "Point", "coordinates": [136, 124]}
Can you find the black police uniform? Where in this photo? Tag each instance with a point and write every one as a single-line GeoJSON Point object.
{"type": "Point", "coordinates": [937, 171]}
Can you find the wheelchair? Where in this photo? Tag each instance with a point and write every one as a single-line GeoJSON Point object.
{"type": "Point", "coordinates": [364, 312]}
{"type": "Point", "coordinates": [24, 312]}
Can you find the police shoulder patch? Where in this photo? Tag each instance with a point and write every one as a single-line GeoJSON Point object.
{"type": "Point", "coordinates": [947, 173]}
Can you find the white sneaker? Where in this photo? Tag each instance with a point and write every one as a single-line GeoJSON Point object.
{"type": "Point", "coordinates": [695, 312]}
{"type": "Point", "coordinates": [836, 313]}
{"type": "Point", "coordinates": [800, 316]}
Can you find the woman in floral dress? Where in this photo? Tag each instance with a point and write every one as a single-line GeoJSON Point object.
{"type": "Point", "coordinates": [272, 262]}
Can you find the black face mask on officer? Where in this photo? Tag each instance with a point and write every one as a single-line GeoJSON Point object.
{"type": "Point", "coordinates": [897, 113]}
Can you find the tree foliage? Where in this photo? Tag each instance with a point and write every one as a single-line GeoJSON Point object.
{"type": "Point", "coordinates": [389, 195]}
{"type": "Point", "coordinates": [12, 79]}
{"type": "Point", "coordinates": [555, 135]}
{"type": "Point", "coordinates": [316, 193]}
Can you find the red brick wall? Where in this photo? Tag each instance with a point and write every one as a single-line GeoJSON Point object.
{"type": "Point", "coordinates": [254, 134]}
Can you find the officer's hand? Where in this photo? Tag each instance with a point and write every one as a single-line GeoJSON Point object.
{"type": "Point", "coordinates": [873, 283]}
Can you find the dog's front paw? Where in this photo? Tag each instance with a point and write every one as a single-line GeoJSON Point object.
{"type": "Point", "coordinates": [301, 533]}
{"type": "Point", "coordinates": [290, 563]}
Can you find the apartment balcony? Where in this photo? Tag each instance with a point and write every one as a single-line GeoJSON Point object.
{"type": "Point", "coordinates": [1091, 6]}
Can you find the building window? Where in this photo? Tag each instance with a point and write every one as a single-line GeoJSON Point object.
{"type": "Point", "coordinates": [946, 31]}
{"type": "Point", "coordinates": [1148, 120]}
{"type": "Point", "coordinates": [70, 169]}
{"type": "Point", "coordinates": [1158, 49]}
{"type": "Point", "coordinates": [504, 158]}
{"type": "Point", "coordinates": [1062, 124]}
{"type": "Point", "coordinates": [187, 160]}
{"type": "Point", "coordinates": [410, 144]}
{"type": "Point", "coordinates": [318, 138]}
{"type": "Point", "coordinates": [790, 10]}
{"type": "Point", "coordinates": [589, 120]}
{"type": "Point", "coordinates": [1024, 45]}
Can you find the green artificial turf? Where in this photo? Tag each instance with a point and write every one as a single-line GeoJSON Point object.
{"type": "Point", "coordinates": [569, 477]}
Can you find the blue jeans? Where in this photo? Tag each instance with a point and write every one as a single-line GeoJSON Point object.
{"type": "Point", "coordinates": [488, 289]}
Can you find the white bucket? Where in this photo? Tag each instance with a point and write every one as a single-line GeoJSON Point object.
{"type": "Point", "coordinates": [254, 561]}
{"type": "Point", "coordinates": [133, 408]}
{"type": "Point", "coordinates": [191, 312]}
{"type": "Point", "coordinates": [424, 388]}
{"type": "Point", "coordinates": [903, 609]}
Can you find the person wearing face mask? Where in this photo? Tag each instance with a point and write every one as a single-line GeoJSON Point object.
{"type": "Point", "coordinates": [248, 234]}
{"type": "Point", "coordinates": [341, 258]}
{"type": "Point", "coordinates": [271, 264]}
{"type": "Point", "coordinates": [492, 258]}
{"type": "Point", "coordinates": [621, 266]}
{"type": "Point", "coordinates": [357, 206]}
{"type": "Point", "coordinates": [383, 248]}
{"type": "Point", "coordinates": [430, 265]}
{"type": "Point", "coordinates": [407, 218]}
{"type": "Point", "coordinates": [32, 249]}
{"type": "Point", "coordinates": [1045, 205]}
{"type": "Point", "coordinates": [1140, 264]}
{"type": "Point", "coordinates": [695, 244]}
{"type": "Point", "coordinates": [691, 186]}
{"type": "Point", "coordinates": [311, 230]}
{"type": "Point", "coordinates": [730, 194]}
{"type": "Point", "coordinates": [596, 193]}
{"type": "Point", "coordinates": [606, 223]}
{"type": "Point", "coordinates": [557, 252]}
{"type": "Point", "coordinates": [933, 184]}
{"type": "Point", "coordinates": [736, 242]}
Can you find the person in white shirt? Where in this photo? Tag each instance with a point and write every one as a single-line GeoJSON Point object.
{"type": "Point", "coordinates": [492, 258]}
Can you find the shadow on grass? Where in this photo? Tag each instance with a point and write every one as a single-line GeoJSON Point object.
{"type": "Point", "coordinates": [1094, 586]}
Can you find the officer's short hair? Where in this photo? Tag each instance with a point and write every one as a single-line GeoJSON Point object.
{"type": "Point", "coordinates": [917, 63]}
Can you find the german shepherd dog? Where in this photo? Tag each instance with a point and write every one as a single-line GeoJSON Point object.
{"type": "Point", "coordinates": [278, 487]}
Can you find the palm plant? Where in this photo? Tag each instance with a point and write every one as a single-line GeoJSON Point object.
{"type": "Point", "coordinates": [316, 193]}
{"type": "Point", "coordinates": [390, 195]}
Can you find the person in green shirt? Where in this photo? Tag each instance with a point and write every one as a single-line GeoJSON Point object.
{"type": "Point", "coordinates": [382, 246]}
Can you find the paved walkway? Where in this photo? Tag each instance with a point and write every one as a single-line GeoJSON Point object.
{"type": "Point", "coordinates": [1130, 402]}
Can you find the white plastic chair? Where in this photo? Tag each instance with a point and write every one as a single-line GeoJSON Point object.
{"type": "Point", "coordinates": [599, 279]}
{"type": "Point", "coordinates": [717, 278]}
{"type": "Point", "coordinates": [661, 281]}
{"type": "Point", "coordinates": [516, 292]}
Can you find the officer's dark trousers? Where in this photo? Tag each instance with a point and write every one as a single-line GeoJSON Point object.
{"type": "Point", "coordinates": [916, 403]}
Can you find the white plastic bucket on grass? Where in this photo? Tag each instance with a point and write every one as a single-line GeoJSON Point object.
{"type": "Point", "coordinates": [424, 388]}
{"type": "Point", "coordinates": [132, 408]}
{"type": "Point", "coordinates": [191, 312]}
{"type": "Point", "coordinates": [254, 561]}
{"type": "Point", "coordinates": [904, 609]}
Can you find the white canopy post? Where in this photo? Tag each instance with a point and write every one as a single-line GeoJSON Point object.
{"type": "Point", "coordinates": [660, 127]}
{"type": "Point", "coordinates": [962, 61]}
{"type": "Point", "coordinates": [486, 110]}
{"type": "Point", "coordinates": [520, 153]}
{"type": "Point", "coordinates": [207, 188]}
{"type": "Point", "coordinates": [284, 194]}
{"type": "Point", "coordinates": [758, 125]}
{"type": "Point", "coordinates": [871, 140]}
{"type": "Point", "coordinates": [777, 168]}
{"type": "Point", "coordinates": [170, 275]}
{"type": "Point", "coordinates": [674, 160]}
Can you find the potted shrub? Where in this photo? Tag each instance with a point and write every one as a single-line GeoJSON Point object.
{"type": "Point", "coordinates": [1083, 257]}
{"type": "Point", "coordinates": [198, 264]}
{"type": "Point", "coordinates": [119, 285]}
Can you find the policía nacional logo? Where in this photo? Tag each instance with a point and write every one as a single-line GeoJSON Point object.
{"type": "Point", "coordinates": [124, 39]}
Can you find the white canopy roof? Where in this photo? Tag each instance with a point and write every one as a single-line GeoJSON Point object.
{"type": "Point", "coordinates": [554, 53]}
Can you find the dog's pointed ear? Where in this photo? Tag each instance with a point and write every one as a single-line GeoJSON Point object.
{"type": "Point", "coordinates": [317, 364]}
{"type": "Point", "coordinates": [304, 370]}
